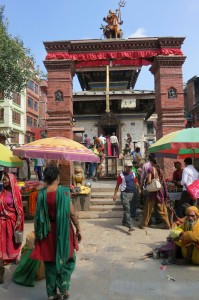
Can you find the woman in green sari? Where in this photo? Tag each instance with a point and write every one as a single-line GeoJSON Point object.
{"type": "Point", "coordinates": [56, 239]}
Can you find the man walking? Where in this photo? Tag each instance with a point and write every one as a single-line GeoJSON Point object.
{"type": "Point", "coordinates": [127, 183]}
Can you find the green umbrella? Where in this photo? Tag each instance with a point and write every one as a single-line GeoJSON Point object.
{"type": "Point", "coordinates": [178, 144]}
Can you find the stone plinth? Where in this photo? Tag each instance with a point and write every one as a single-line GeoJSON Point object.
{"type": "Point", "coordinates": [81, 202]}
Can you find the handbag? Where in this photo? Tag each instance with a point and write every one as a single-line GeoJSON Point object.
{"type": "Point", "coordinates": [154, 186]}
{"type": "Point", "coordinates": [193, 190]}
{"type": "Point", "coordinates": [18, 235]}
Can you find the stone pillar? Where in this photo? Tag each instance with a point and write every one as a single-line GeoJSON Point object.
{"type": "Point", "coordinates": [167, 72]}
{"type": "Point", "coordinates": [60, 107]}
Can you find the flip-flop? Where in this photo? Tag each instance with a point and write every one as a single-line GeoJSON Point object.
{"type": "Point", "coordinates": [168, 261]}
{"type": "Point", "coordinates": [141, 227]}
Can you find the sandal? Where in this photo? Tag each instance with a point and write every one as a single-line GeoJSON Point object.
{"type": "Point", "coordinates": [168, 261]}
{"type": "Point", "coordinates": [165, 227]}
{"type": "Point", "coordinates": [141, 226]}
{"type": "Point", "coordinates": [56, 297]}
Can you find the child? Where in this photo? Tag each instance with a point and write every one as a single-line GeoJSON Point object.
{"type": "Point", "coordinates": [28, 270]}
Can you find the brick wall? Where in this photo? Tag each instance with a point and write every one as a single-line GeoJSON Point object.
{"type": "Point", "coordinates": [167, 72]}
{"type": "Point", "coordinates": [61, 112]}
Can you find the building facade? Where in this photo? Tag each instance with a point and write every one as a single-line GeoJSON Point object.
{"type": "Point", "coordinates": [13, 119]}
{"type": "Point", "coordinates": [191, 92]}
{"type": "Point", "coordinates": [32, 109]}
{"type": "Point", "coordinates": [128, 115]}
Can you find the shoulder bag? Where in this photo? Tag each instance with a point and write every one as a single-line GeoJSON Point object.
{"type": "Point", "coordinates": [193, 190]}
{"type": "Point", "coordinates": [154, 186]}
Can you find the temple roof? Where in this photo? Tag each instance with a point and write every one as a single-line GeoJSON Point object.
{"type": "Point", "coordinates": [148, 93]}
{"type": "Point", "coordinates": [119, 78]}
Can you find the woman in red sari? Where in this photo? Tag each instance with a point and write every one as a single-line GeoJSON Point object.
{"type": "Point", "coordinates": [11, 218]}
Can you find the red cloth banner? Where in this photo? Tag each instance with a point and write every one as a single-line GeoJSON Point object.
{"type": "Point", "coordinates": [93, 56]}
{"type": "Point", "coordinates": [100, 63]}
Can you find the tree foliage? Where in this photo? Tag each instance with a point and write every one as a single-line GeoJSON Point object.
{"type": "Point", "coordinates": [16, 62]}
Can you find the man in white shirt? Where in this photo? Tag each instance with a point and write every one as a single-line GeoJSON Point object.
{"type": "Point", "coordinates": [114, 144]}
{"type": "Point", "coordinates": [102, 139]}
{"type": "Point", "coordinates": [189, 175]}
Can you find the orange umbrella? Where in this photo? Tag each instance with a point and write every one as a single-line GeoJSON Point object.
{"type": "Point", "coordinates": [58, 148]}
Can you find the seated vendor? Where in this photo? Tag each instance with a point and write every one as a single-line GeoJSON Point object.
{"type": "Point", "coordinates": [186, 239]}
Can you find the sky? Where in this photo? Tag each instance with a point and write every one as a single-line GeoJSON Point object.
{"type": "Point", "coordinates": [48, 20]}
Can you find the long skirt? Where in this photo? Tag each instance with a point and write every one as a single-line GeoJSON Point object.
{"type": "Point", "coordinates": [28, 270]}
{"type": "Point", "coordinates": [56, 281]}
{"type": "Point", "coordinates": [9, 250]}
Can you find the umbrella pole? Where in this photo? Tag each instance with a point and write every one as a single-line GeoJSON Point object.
{"type": "Point", "coordinates": [193, 156]}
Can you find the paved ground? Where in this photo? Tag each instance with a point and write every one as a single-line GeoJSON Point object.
{"type": "Point", "coordinates": [109, 268]}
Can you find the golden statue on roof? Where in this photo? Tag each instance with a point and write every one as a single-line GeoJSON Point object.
{"type": "Point", "coordinates": [113, 20]}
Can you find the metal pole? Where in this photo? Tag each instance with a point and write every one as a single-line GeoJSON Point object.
{"type": "Point", "coordinates": [107, 90]}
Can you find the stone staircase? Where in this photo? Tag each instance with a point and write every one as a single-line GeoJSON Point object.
{"type": "Point", "coordinates": [101, 202]}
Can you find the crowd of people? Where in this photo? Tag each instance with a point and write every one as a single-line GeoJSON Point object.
{"type": "Point", "coordinates": [102, 146]}
{"type": "Point", "coordinates": [141, 186]}
{"type": "Point", "coordinates": [109, 146]}
{"type": "Point", "coordinates": [147, 182]}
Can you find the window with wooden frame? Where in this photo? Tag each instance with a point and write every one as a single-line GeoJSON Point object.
{"type": "Point", "coordinates": [30, 102]}
{"type": "Point", "coordinates": [15, 138]}
{"type": "Point", "coordinates": [16, 117]}
{"type": "Point", "coordinates": [150, 127]}
{"type": "Point", "coordinates": [35, 123]}
{"type": "Point", "coordinates": [31, 85]}
{"type": "Point", "coordinates": [35, 105]}
{"type": "Point", "coordinates": [16, 97]}
{"type": "Point", "coordinates": [29, 121]}
{"type": "Point", "coordinates": [36, 88]}
{"type": "Point", "coordinates": [1, 114]}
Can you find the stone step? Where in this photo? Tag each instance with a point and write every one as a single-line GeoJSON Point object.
{"type": "Point", "coordinates": [102, 194]}
{"type": "Point", "coordinates": [105, 207]}
{"type": "Point", "coordinates": [104, 201]}
{"type": "Point", "coordinates": [98, 214]}
{"type": "Point", "coordinates": [104, 189]}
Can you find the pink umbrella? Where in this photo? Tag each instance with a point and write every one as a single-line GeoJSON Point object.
{"type": "Point", "coordinates": [58, 148]}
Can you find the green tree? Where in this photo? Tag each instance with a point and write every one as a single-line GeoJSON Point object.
{"type": "Point", "coordinates": [16, 62]}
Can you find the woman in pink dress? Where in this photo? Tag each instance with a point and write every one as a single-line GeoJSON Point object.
{"type": "Point", "coordinates": [11, 218]}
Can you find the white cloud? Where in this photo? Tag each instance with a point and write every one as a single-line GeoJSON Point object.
{"type": "Point", "coordinates": [140, 32]}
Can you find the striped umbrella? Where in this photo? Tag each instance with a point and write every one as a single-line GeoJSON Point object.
{"type": "Point", "coordinates": [178, 144]}
{"type": "Point", "coordinates": [58, 148]}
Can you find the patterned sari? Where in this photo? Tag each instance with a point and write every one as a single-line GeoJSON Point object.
{"type": "Point", "coordinates": [11, 209]}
